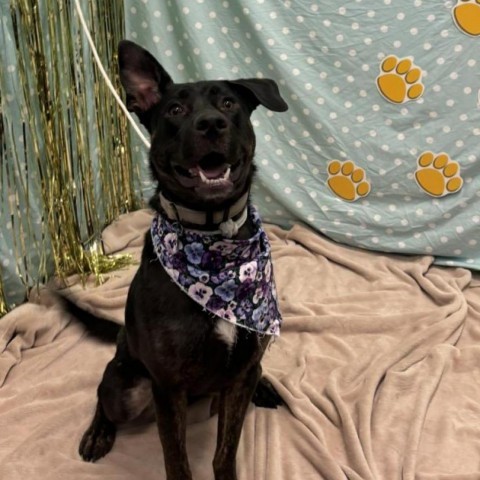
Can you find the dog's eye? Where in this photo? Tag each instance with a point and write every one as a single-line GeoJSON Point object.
{"type": "Point", "coordinates": [228, 104]}
{"type": "Point", "coordinates": [175, 110]}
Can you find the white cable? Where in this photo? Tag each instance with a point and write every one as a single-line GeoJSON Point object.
{"type": "Point", "coordinates": [106, 77]}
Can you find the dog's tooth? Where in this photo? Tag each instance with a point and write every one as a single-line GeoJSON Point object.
{"type": "Point", "coordinates": [227, 174]}
{"type": "Point", "coordinates": [203, 177]}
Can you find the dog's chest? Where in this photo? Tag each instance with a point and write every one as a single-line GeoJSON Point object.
{"type": "Point", "coordinates": [226, 332]}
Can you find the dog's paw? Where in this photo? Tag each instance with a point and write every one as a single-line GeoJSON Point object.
{"type": "Point", "coordinates": [400, 80]}
{"type": "Point", "coordinates": [266, 396]}
{"type": "Point", "coordinates": [466, 14]}
{"type": "Point", "coordinates": [97, 441]}
{"type": "Point", "coordinates": [437, 175]}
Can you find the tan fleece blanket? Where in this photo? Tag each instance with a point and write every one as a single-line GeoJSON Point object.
{"type": "Point", "coordinates": [378, 364]}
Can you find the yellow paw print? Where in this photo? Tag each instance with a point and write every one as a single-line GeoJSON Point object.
{"type": "Point", "coordinates": [437, 175]}
{"type": "Point", "coordinates": [400, 80]}
{"type": "Point", "coordinates": [347, 180]}
{"type": "Point", "coordinates": [466, 14]}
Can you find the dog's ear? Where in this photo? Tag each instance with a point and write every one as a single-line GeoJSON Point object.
{"type": "Point", "coordinates": [260, 91]}
{"type": "Point", "coordinates": [142, 77]}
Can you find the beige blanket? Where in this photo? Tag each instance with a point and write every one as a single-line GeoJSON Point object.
{"type": "Point", "coordinates": [378, 364]}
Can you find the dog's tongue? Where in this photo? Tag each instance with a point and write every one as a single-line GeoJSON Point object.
{"type": "Point", "coordinates": [213, 173]}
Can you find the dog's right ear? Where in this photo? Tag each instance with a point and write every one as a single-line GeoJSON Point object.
{"type": "Point", "coordinates": [142, 77]}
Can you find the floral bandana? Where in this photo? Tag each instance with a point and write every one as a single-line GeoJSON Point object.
{"type": "Point", "coordinates": [233, 279]}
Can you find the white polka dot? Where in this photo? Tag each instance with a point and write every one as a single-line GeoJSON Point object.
{"type": "Point", "coordinates": [157, 13]}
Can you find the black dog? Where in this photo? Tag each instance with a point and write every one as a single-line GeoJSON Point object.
{"type": "Point", "coordinates": [172, 346]}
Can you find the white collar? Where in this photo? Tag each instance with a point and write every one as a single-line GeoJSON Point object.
{"type": "Point", "coordinates": [227, 221]}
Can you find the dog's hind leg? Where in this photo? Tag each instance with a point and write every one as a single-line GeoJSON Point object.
{"type": "Point", "coordinates": [171, 408]}
{"type": "Point", "coordinates": [123, 394]}
{"type": "Point", "coordinates": [233, 407]}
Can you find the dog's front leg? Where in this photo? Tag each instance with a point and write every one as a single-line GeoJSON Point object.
{"type": "Point", "coordinates": [171, 410]}
{"type": "Point", "coordinates": [232, 409]}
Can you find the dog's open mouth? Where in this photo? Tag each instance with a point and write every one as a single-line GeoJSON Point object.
{"type": "Point", "coordinates": [212, 170]}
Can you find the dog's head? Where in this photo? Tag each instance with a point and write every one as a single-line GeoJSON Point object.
{"type": "Point", "coordinates": [202, 140]}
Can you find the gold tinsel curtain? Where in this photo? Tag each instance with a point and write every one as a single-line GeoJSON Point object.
{"type": "Point", "coordinates": [65, 166]}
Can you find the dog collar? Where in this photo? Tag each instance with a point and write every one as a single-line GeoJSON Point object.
{"type": "Point", "coordinates": [232, 279]}
{"type": "Point", "coordinates": [212, 220]}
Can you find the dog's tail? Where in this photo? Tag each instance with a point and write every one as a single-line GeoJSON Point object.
{"type": "Point", "coordinates": [104, 330]}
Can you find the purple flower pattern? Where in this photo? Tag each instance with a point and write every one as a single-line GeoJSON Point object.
{"type": "Point", "coordinates": [232, 279]}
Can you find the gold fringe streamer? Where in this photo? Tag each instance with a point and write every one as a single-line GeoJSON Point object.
{"type": "Point", "coordinates": [3, 303]}
{"type": "Point", "coordinates": [79, 138]}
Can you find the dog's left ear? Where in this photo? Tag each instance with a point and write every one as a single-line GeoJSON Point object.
{"type": "Point", "coordinates": [260, 91]}
{"type": "Point", "coordinates": [142, 77]}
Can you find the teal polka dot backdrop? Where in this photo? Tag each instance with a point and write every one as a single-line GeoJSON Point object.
{"type": "Point", "coordinates": [380, 146]}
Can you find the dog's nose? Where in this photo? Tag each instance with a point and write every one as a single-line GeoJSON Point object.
{"type": "Point", "coordinates": [209, 123]}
